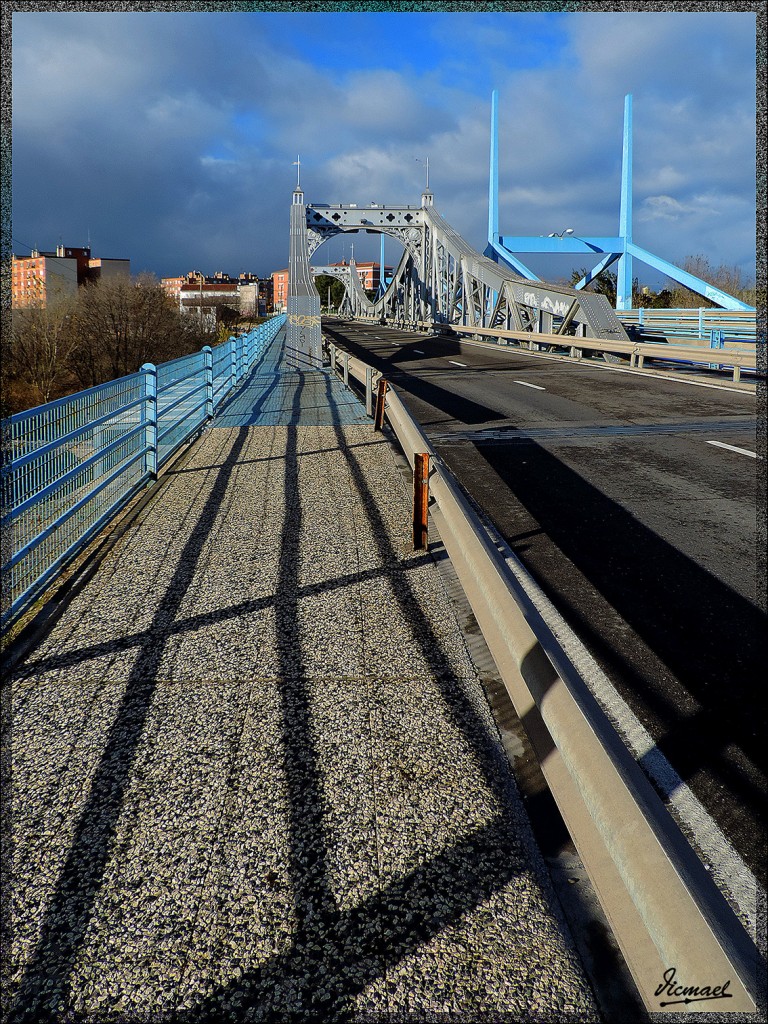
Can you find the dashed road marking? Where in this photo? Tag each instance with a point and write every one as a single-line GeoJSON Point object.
{"type": "Point", "coordinates": [457, 364]}
{"type": "Point", "coordinates": [733, 448]}
{"type": "Point", "coordinates": [527, 385]}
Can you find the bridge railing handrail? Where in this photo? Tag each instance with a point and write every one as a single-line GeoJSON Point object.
{"type": "Point", "coordinates": [70, 465]}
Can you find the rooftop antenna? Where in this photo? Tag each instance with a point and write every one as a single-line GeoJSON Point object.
{"type": "Point", "coordinates": [297, 165]}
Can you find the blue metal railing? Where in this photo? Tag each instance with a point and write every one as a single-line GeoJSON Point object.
{"type": "Point", "coordinates": [70, 465]}
{"type": "Point", "coordinates": [691, 323]}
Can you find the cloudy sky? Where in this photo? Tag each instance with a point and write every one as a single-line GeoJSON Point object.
{"type": "Point", "coordinates": [170, 138]}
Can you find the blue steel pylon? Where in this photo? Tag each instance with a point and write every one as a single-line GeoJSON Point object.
{"type": "Point", "coordinates": [621, 248]}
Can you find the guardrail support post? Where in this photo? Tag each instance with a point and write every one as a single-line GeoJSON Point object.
{"type": "Point", "coordinates": [420, 500]}
{"type": "Point", "coordinates": [346, 369]}
{"type": "Point", "coordinates": [378, 423]}
{"type": "Point", "coordinates": [208, 366]}
{"type": "Point", "coordinates": [150, 419]}
{"type": "Point", "coordinates": [369, 391]}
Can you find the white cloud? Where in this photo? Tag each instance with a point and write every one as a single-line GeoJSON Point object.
{"type": "Point", "coordinates": [174, 114]}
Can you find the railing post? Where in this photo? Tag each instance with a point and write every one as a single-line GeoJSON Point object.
{"type": "Point", "coordinates": [149, 410]}
{"type": "Point", "coordinates": [232, 364]}
{"type": "Point", "coordinates": [381, 398]}
{"type": "Point", "coordinates": [420, 500]}
{"type": "Point", "coordinates": [369, 391]}
{"type": "Point", "coordinates": [346, 369]}
{"type": "Point", "coordinates": [701, 321]}
{"type": "Point", "coordinates": [208, 367]}
{"type": "Point", "coordinates": [239, 358]}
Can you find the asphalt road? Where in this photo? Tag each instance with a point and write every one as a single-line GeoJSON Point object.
{"type": "Point", "coordinates": [634, 503]}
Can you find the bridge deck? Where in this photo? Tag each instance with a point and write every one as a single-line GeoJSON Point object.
{"type": "Point", "coordinates": [253, 765]}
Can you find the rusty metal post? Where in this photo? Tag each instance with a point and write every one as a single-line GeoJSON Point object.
{"type": "Point", "coordinates": [380, 399]}
{"type": "Point", "coordinates": [420, 500]}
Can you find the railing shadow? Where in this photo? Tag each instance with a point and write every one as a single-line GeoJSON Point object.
{"type": "Point", "coordinates": [46, 980]}
{"type": "Point", "coordinates": [334, 953]}
{"type": "Point", "coordinates": [462, 409]}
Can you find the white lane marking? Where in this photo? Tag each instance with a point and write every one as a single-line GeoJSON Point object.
{"type": "Point", "coordinates": [457, 364]}
{"type": "Point", "coordinates": [733, 448]}
{"type": "Point", "coordinates": [527, 385]}
{"type": "Point", "coordinates": [419, 351]}
{"type": "Point", "coordinates": [611, 369]}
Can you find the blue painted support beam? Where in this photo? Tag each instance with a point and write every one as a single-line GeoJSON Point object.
{"type": "Point", "coordinates": [497, 252]}
{"type": "Point", "coordinates": [493, 183]}
{"type": "Point", "coordinates": [624, 275]}
{"type": "Point", "coordinates": [566, 244]}
{"type": "Point", "coordinates": [683, 277]}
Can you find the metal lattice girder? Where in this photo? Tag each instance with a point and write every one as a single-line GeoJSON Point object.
{"type": "Point", "coordinates": [441, 278]}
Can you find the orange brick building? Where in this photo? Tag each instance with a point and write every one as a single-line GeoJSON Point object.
{"type": "Point", "coordinates": [41, 277]}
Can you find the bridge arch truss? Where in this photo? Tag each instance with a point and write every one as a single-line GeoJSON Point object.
{"type": "Point", "coordinates": [440, 279]}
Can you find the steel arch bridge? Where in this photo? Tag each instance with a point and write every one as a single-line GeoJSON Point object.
{"type": "Point", "coordinates": [439, 279]}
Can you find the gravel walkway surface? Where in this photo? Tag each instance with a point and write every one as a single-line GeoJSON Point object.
{"type": "Point", "coordinates": [255, 776]}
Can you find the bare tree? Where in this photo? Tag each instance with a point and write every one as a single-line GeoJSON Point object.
{"type": "Point", "coordinates": [728, 279]}
{"type": "Point", "coordinates": [121, 324]}
{"type": "Point", "coordinates": [42, 342]}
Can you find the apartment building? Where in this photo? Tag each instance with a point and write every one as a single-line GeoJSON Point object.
{"type": "Point", "coordinates": [43, 277]}
{"type": "Point", "coordinates": [280, 291]}
{"type": "Point", "coordinates": [246, 294]}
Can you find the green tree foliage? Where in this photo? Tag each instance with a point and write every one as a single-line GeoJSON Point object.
{"type": "Point", "coordinates": [323, 282]}
{"type": "Point", "coordinates": [603, 284]}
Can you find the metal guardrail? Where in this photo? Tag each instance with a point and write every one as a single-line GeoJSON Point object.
{"type": "Point", "coordinates": [70, 465]}
{"type": "Point", "coordinates": [664, 909]}
{"type": "Point", "coordinates": [717, 358]}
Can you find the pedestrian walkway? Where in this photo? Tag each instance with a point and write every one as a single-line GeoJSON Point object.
{"type": "Point", "coordinates": [254, 771]}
